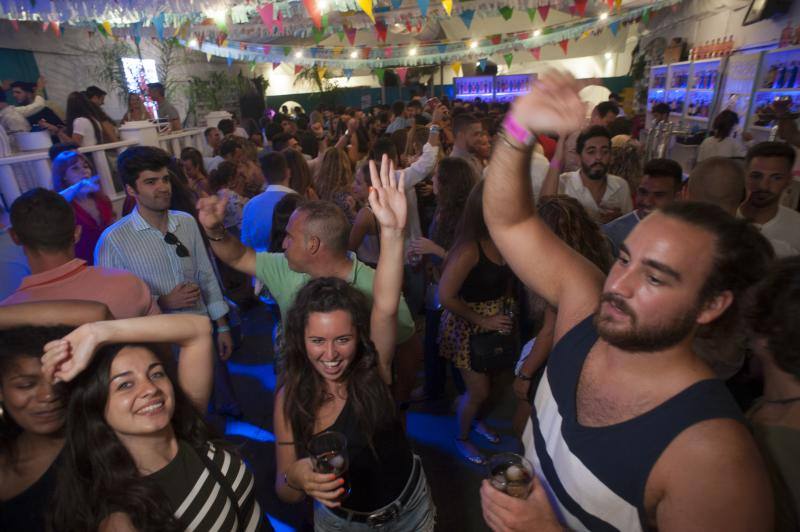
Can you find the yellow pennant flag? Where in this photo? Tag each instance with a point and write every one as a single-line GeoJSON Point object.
{"type": "Point", "coordinates": [337, 51]}
{"type": "Point", "coordinates": [456, 67]}
{"type": "Point", "coordinates": [366, 6]}
{"type": "Point", "coordinates": [618, 5]}
{"type": "Point", "coordinates": [107, 27]}
{"type": "Point", "coordinates": [448, 6]}
{"type": "Point", "coordinates": [208, 57]}
{"type": "Point", "coordinates": [321, 71]}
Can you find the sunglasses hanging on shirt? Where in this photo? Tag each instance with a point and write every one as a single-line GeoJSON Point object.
{"type": "Point", "coordinates": [172, 240]}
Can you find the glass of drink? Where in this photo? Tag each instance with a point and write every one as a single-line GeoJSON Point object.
{"type": "Point", "coordinates": [328, 453]}
{"type": "Point", "coordinates": [512, 474]}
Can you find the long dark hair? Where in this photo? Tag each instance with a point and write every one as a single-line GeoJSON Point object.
{"type": "Point", "coordinates": [471, 227]}
{"type": "Point", "coordinates": [299, 173]}
{"type": "Point", "coordinates": [724, 124]}
{"type": "Point", "coordinates": [98, 475]}
{"type": "Point", "coordinates": [456, 179]}
{"type": "Point", "coordinates": [79, 106]}
{"type": "Point", "coordinates": [280, 219]}
{"type": "Point", "coordinates": [304, 387]}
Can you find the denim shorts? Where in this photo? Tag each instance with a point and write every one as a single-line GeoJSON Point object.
{"type": "Point", "coordinates": [418, 515]}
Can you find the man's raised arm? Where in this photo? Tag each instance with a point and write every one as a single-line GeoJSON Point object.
{"type": "Point", "coordinates": [540, 259]}
{"type": "Point", "coordinates": [210, 212]}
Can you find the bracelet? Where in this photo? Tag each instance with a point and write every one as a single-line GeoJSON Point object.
{"type": "Point", "coordinates": [517, 132]}
{"type": "Point", "coordinates": [513, 144]}
{"type": "Point", "coordinates": [223, 329]}
{"type": "Point", "coordinates": [286, 481]}
{"type": "Point", "coordinates": [556, 165]}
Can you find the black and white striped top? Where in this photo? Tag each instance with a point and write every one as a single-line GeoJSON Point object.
{"type": "Point", "coordinates": [200, 502]}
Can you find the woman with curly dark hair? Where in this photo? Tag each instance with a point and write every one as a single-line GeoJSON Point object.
{"type": "Point", "coordinates": [338, 371]}
{"type": "Point", "coordinates": [570, 222]}
{"type": "Point", "coordinates": [772, 319]}
{"type": "Point", "coordinates": [138, 454]}
{"type": "Point", "coordinates": [300, 179]}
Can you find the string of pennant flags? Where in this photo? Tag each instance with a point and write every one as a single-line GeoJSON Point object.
{"type": "Point", "coordinates": [410, 55]}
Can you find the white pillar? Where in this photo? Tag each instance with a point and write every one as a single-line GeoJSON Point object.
{"type": "Point", "coordinates": [213, 118]}
{"type": "Point", "coordinates": [8, 184]}
{"type": "Point", "coordinates": [143, 132]}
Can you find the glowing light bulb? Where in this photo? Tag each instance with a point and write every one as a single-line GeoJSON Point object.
{"type": "Point", "coordinates": [607, 55]}
{"type": "Point", "coordinates": [536, 33]}
{"type": "Point", "coordinates": [193, 43]}
{"type": "Point", "coordinates": [603, 16]}
{"type": "Point", "coordinates": [413, 51]}
{"type": "Point", "coordinates": [298, 54]}
{"type": "Point", "coordinates": [353, 54]}
{"type": "Point", "coordinates": [478, 64]}
{"type": "Point", "coordinates": [473, 44]}
{"type": "Point", "coordinates": [322, 5]}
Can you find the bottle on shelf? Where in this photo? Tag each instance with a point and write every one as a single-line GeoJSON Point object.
{"type": "Point", "coordinates": [712, 79]}
{"type": "Point", "coordinates": [770, 77]}
{"type": "Point", "coordinates": [780, 79]}
{"type": "Point", "coordinates": [787, 35]}
{"type": "Point", "coordinates": [791, 78]}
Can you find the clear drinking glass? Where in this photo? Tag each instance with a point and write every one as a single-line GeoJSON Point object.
{"type": "Point", "coordinates": [328, 453]}
{"type": "Point", "coordinates": [511, 473]}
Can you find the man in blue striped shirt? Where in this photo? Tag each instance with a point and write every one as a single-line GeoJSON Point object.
{"type": "Point", "coordinates": [164, 248]}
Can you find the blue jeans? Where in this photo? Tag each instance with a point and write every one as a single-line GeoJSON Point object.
{"type": "Point", "coordinates": [418, 515]}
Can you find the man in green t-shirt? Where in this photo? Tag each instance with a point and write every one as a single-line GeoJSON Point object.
{"type": "Point", "coordinates": [315, 246]}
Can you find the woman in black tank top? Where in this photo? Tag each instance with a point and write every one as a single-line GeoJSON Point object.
{"type": "Point", "coordinates": [338, 370]}
{"type": "Point", "coordinates": [475, 290]}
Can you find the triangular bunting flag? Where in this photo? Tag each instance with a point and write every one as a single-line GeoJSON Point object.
{"type": "Point", "coordinates": [275, 65]}
{"type": "Point", "coordinates": [286, 51]}
{"type": "Point", "coordinates": [388, 52]}
{"type": "Point", "coordinates": [618, 5]}
{"type": "Point", "coordinates": [423, 6]}
{"type": "Point", "coordinates": [279, 22]}
{"type": "Point", "coordinates": [367, 50]}
{"type": "Point", "coordinates": [645, 16]}
{"type": "Point", "coordinates": [614, 27]}
{"type": "Point", "coordinates": [456, 68]}
{"type": "Point", "coordinates": [102, 30]}
{"type": "Point", "coordinates": [107, 27]}
{"type": "Point", "coordinates": [298, 69]}
{"type": "Point", "coordinates": [610, 5]}
{"type": "Point", "coordinates": [396, 4]}
{"type": "Point", "coordinates": [321, 71]}
{"type": "Point", "coordinates": [158, 22]}
{"type": "Point", "coordinates": [506, 12]}
{"type": "Point", "coordinates": [56, 28]}
{"type": "Point", "coordinates": [564, 44]}
{"type": "Point", "coordinates": [314, 52]}
{"type": "Point", "coordinates": [401, 73]}
{"type": "Point", "coordinates": [348, 73]}
{"type": "Point", "coordinates": [318, 35]}
{"type": "Point", "coordinates": [482, 64]}
{"type": "Point", "coordinates": [380, 30]}
{"type": "Point", "coordinates": [313, 12]}
{"type": "Point", "coordinates": [230, 61]}
{"type": "Point", "coordinates": [252, 66]}
{"type": "Point", "coordinates": [531, 13]}
{"type": "Point", "coordinates": [580, 7]}
{"type": "Point", "coordinates": [448, 6]}
{"type": "Point", "coordinates": [265, 11]}
{"type": "Point", "coordinates": [15, 24]}
{"type": "Point", "coordinates": [208, 57]}
{"type": "Point", "coordinates": [508, 57]}
{"type": "Point", "coordinates": [45, 26]}
{"type": "Point", "coordinates": [351, 35]}
{"type": "Point", "coordinates": [340, 34]}
{"type": "Point", "coordinates": [266, 49]}
{"type": "Point", "coordinates": [466, 17]}
{"type": "Point", "coordinates": [543, 12]}
{"type": "Point", "coordinates": [380, 73]}
{"type": "Point", "coordinates": [495, 39]}
{"type": "Point", "coordinates": [536, 52]}
{"type": "Point", "coordinates": [441, 48]}
{"type": "Point", "coordinates": [366, 6]}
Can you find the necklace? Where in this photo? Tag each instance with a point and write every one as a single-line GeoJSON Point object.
{"type": "Point", "coordinates": [782, 401]}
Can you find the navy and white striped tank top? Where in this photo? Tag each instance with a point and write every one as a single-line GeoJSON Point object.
{"type": "Point", "coordinates": [596, 476]}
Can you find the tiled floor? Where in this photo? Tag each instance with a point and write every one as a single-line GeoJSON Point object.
{"type": "Point", "coordinates": [431, 427]}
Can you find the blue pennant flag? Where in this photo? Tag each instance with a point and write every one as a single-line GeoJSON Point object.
{"type": "Point", "coordinates": [482, 64]}
{"type": "Point", "coordinates": [467, 16]}
{"type": "Point", "coordinates": [614, 27]}
{"type": "Point", "coordinates": [230, 61]}
{"type": "Point", "coordinates": [348, 73]}
{"type": "Point", "coordinates": [423, 6]}
{"type": "Point", "coordinates": [136, 31]}
{"type": "Point", "coordinates": [158, 22]}
{"type": "Point", "coordinates": [314, 52]}
{"type": "Point", "coordinates": [396, 4]}
{"type": "Point", "coordinates": [442, 48]}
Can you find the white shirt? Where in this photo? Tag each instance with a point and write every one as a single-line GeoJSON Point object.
{"type": "Point", "coordinates": [212, 163]}
{"type": "Point", "coordinates": [540, 165]}
{"type": "Point", "coordinates": [83, 126]}
{"type": "Point", "coordinates": [728, 147]}
{"type": "Point", "coordinates": [783, 231]}
{"type": "Point", "coordinates": [13, 121]}
{"type": "Point", "coordinates": [616, 196]}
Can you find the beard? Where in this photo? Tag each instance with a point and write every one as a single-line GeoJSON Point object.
{"type": "Point", "coordinates": [647, 338]}
{"type": "Point", "coordinates": [762, 199]}
{"type": "Point", "coordinates": [596, 172]}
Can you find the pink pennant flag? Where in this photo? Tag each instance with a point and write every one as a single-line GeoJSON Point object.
{"type": "Point", "coordinates": [401, 73]}
{"type": "Point", "coordinates": [380, 30]}
{"type": "Point", "coordinates": [298, 69]}
{"type": "Point", "coordinates": [56, 28]}
{"type": "Point", "coordinates": [524, 35]}
{"type": "Point", "coordinates": [279, 22]}
{"type": "Point", "coordinates": [313, 11]}
{"type": "Point", "coordinates": [45, 26]}
{"type": "Point", "coordinates": [266, 12]}
{"type": "Point", "coordinates": [580, 7]}
{"type": "Point", "coordinates": [408, 25]}
{"type": "Point", "coordinates": [544, 11]}
{"type": "Point", "coordinates": [276, 65]}
{"type": "Point", "coordinates": [564, 44]}
{"type": "Point", "coordinates": [536, 52]}
{"type": "Point", "coordinates": [266, 48]}
{"type": "Point", "coordinates": [351, 35]}
{"type": "Point", "coordinates": [388, 52]}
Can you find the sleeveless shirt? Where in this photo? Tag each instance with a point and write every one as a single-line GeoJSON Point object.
{"type": "Point", "coordinates": [596, 476]}
{"type": "Point", "coordinates": [486, 281]}
{"type": "Point", "coordinates": [376, 477]}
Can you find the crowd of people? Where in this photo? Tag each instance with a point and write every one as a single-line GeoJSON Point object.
{"type": "Point", "coordinates": [647, 318]}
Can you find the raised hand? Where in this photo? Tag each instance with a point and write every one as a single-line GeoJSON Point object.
{"type": "Point", "coordinates": [64, 359]}
{"type": "Point", "coordinates": [387, 195]}
{"type": "Point", "coordinates": [553, 104]}
{"type": "Point", "coordinates": [211, 212]}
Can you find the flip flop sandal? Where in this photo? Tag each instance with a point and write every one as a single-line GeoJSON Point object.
{"type": "Point", "coordinates": [473, 458]}
{"type": "Point", "coordinates": [489, 435]}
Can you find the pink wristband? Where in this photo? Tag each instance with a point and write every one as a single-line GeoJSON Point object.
{"type": "Point", "coordinates": [517, 132]}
